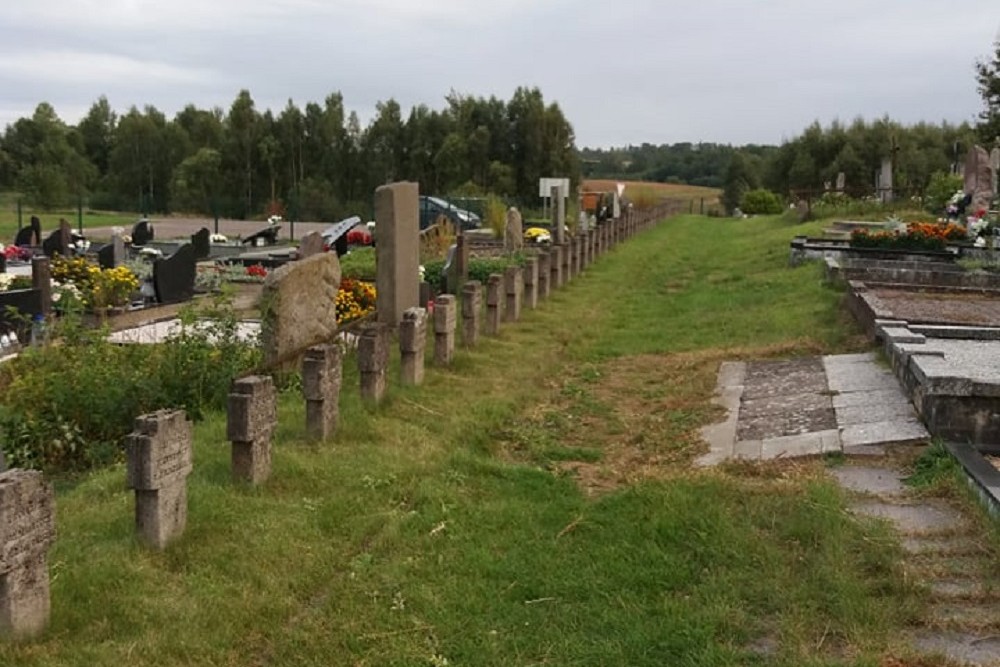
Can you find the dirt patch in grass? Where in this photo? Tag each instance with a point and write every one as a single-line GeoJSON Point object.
{"type": "Point", "coordinates": [628, 419]}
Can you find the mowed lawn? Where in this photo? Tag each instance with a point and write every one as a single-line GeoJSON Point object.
{"type": "Point", "coordinates": [534, 504]}
{"type": "Point", "coordinates": [653, 190]}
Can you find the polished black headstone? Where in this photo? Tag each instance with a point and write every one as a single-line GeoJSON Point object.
{"type": "Point", "coordinates": [173, 277]}
{"type": "Point", "coordinates": [264, 237]}
{"type": "Point", "coordinates": [142, 233]}
{"type": "Point", "coordinates": [30, 235]}
{"type": "Point", "coordinates": [18, 308]}
{"type": "Point", "coordinates": [58, 241]}
{"type": "Point", "coordinates": [201, 240]}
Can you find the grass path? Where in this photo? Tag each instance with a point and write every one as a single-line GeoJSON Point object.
{"type": "Point", "coordinates": [531, 505]}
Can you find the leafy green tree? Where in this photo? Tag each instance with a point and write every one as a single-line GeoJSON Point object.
{"type": "Point", "coordinates": [738, 181]}
{"type": "Point", "coordinates": [196, 182]}
{"type": "Point", "coordinates": [97, 129]}
{"type": "Point", "coordinates": [988, 80]}
{"type": "Point", "coordinates": [46, 167]}
{"type": "Point", "coordinates": [240, 152]}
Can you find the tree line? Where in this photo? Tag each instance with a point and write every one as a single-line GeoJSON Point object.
{"type": "Point", "coordinates": [813, 160]}
{"type": "Point", "coordinates": [315, 162]}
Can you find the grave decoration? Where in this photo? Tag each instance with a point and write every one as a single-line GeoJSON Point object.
{"type": "Point", "coordinates": [78, 282]}
{"type": "Point", "coordinates": [355, 300]}
{"type": "Point", "coordinates": [921, 236]}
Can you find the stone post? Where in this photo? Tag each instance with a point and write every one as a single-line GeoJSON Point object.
{"type": "Point", "coordinates": [397, 253]}
{"type": "Point", "coordinates": [493, 304]}
{"type": "Point", "coordinates": [591, 245]}
{"type": "Point", "coordinates": [444, 329]}
{"type": "Point", "coordinates": [251, 418]}
{"type": "Point", "coordinates": [581, 252]}
{"type": "Point", "coordinates": [412, 343]}
{"type": "Point", "coordinates": [572, 260]}
{"type": "Point", "coordinates": [567, 256]}
{"type": "Point", "coordinates": [373, 359]}
{"type": "Point", "coordinates": [558, 215]}
{"type": "Point", "coordinates": [531, 283]}
{"type": "Point", "coordinates": [472, 308]}
{"type": "Point", "coordinates": [544, 275]}
{"type": "Point", "coordinates": [513, 283]}
{"type": "Point", "coordinates": [458, 272]}
{"type": "Point", "coordinates": [159, 462]}
{"type": "Point", "coordinates": [41, 279]}
{"type": "Point", "coordinates": [555, 268]}
{"type": "Point", "coordinates": [322, 374]}
{"type": "Point", "coordinates": [27, 530]}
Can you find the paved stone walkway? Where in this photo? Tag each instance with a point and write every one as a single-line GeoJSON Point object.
{"type": "Point", "coordinates": [945, 554]}
{"type": "Point", "coordinates": [808, 406]}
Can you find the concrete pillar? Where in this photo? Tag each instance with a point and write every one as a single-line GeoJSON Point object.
{"type": "Point", "coordinates": [251, 418]}
{"type": "Point", "coordinates": [472, 308]}
{"type": "Point", "coordinates": [412, 343]}
{"type": "Point", "coordinates": [493, 300]}
{"type": "Point", "coordinates": [41, 279]}
{"type": "Point", "coordinates": [530, 272]}
{"type": "Point", "coordinates": [397, 224]}
{"type": "Point", "coordinates": [373, 359]}
{"type": "Point", "coordinates": [322, 375]}
{"type": "Point", "coordinates": [555, 267]}
{"type": "Point", "coordinates": [159, 461]}
{"type": "Point", "coordinates": [544, 275]}
{"type": "Point", "coordinates": [27, 530]}
{"type": "Point", "coordinates": [513, 288]}
{"type": "Point", "coordinates": [558, 215]}
{"type": "Point", "coordinates": [444, 329]}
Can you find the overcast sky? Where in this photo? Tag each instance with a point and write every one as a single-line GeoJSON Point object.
{"type": "Point", "coordinates": [625, 71]}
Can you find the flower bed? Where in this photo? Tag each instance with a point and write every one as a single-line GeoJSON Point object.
{"type": "Point", "coordinates": [355, 300]}
{"type": "Point", "coordinates": [917, 236]}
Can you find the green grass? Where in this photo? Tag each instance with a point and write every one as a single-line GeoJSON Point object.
{"type": "Point", "coordinates": [50, 219]}
{"type": "Point", "coordinates": [456, 524]}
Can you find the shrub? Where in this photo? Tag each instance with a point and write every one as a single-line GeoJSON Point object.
{"type": "Point", "coordinates": [761, 202]}
{"type": "Point", "coordinates": [940, 190]}
{"type": "Point", "coordinates": [480, 268]}
{"type": "Point", "coordinates": [68, 406]}
{"type": "Point", "coordinates": [358, 264]}
{"type": "Point", "coordinates": [495, 215]}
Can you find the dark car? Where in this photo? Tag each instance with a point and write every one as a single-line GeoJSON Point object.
{"type": "Point", "coordinates": [433, 207]}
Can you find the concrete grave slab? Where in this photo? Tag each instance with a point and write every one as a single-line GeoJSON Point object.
{"type": "Point", "coordinates": [913, 519]}
{"type": "Point", "coordinates": [898, 431]}
{"type": "Point", "coordinates": [872, 480]}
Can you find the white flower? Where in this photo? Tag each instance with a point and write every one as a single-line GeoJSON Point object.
{"type": "Point", "coordinates": [423, 273]}
{"type": "Point", "coordinates": [6, 279]}
{"type": "Point", "coordinates": [218, 238]}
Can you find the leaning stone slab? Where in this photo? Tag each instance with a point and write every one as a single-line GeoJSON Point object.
{"type": "Point", "coordinates": [444, 329]}
{"type": "Point", "coordinates": [252, 416]}
{"type": "Point", "coordinates": [322, 374]}
{"type": "Point", "coordinates": [299, 308]}
{"type": "Point", "coordinates": [373, 360]}
{"type": "Point", "coordinates": [159, 461]}
{"type": "Point", "coordinates": [412, 343]}
{"type": "Point", "coordinates": [27, 530]}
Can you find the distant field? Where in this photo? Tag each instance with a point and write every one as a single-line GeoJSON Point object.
{"type": "Point", "coordinates": [649, 188]}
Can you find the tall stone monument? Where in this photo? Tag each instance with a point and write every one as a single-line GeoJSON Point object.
{"type": "Point", "coordinates": [397, 254]}
{"type": "Point", "coordinates": [978, 179]}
